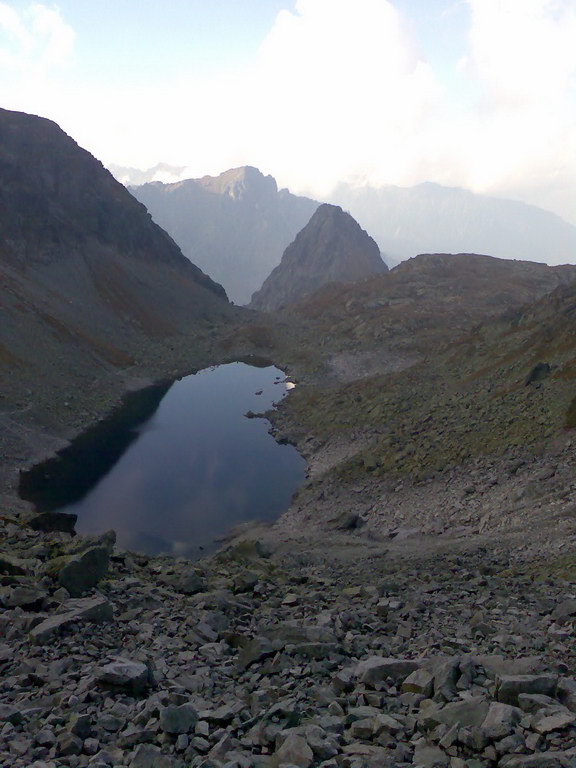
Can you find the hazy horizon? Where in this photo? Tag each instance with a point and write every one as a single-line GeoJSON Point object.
{"type": "Point", "coordinates": [476, 94]}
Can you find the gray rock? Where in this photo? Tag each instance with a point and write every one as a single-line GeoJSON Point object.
{"type": "Point", "coordinates": [468, 713]}
{"type": "Point", "coordinates": [125, 674]}
{"type": "Point", "coordinates": [80, 725]}
{"type": "Point", "coordinates": [9, 714]}
{"type": "Point", "coordinates": [553, 721]}
{"type": "Point", "coordinates": [178, 719]}
{"type": "Point", "coordinates": [566, 692]}
{"type": "Point", "coordinates": [445, 677]}
{"type": "Point", "coordinates": [14, 566]}
{"type": "Point", "coordinates": [532, 702]}
{"type": "Point", "coordinates": [50, 522]}
{"type": "Point", "coordinates": [148, 756]}
{"type": "Point", "coordinates": [90, 609]}
{"type": "Point", "coordinates": [80, 544]}
{"type": "Point", "coordinates": [294, 751]}
{"type": "Point", "coordinates": [24, 596]}
{"type": "Point", "coordinates": [509, 687]}
{"type": "Point", "coordinates": [539, 760]}
{"type": "Point", "coordinates": [190, 583]}
{"type": "Point", "coordinates": [377, 668]}
{"type": "Point", "coordinates": [83, 571]}
{"type": "Point", "coordinates": [429, 756]}
{"type": "Point", "coordinates": [501, 720]}
{"type": "Point", "coordinates": [564, 610]}
{"type": "Point", "coordinates": [68, 744]}
{"type": "Point", "coordinates": [420, 681]}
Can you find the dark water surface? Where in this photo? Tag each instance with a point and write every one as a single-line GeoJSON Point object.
{"type": "Point", "coordinates": [178, 466]}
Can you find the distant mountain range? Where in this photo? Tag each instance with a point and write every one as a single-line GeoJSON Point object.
{"type": "Point", "coordinates": [234, 226]}
{"type": "Point", "coordinates": [430, 218]}
{"type": "Point", "coordinates": [237, 225]}
{"type": "Point", "coordinates": [332, 248]}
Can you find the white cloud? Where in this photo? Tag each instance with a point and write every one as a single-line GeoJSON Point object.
{"type": "Point", "coordinates": [33, 41]}
{"type": "Point", "coordinates": [338, 91]}
{"type": "Point", "coordinates": [342, 92]}
{"type": "Point", "coordinates": [523, 59]}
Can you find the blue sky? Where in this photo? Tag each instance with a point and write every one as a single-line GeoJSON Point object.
{"type": "Point", "coordinates": [472, 93]}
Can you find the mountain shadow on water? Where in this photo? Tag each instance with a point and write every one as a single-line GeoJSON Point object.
{"type": "Point", "coordinates": [58, 482]}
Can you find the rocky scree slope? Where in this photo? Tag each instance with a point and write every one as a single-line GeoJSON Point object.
{"type": "Point", "coordinates": [235, 225]}
{"type": "Point", "coordinates": [90, 287]}
{"type": "Point", "coordinates": [337, 652]}
{"type": "Point", "coordinates": [478, 433]}
{"type": "Point", "coordinates": [423, 302]}
{"type": "Point", "coordinates": [332, 248]}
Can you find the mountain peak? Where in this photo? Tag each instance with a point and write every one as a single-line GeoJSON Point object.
{"type": "Point", "coordinates": [240, 183]}
{"type": "Point", "coordinates": [332, 248]}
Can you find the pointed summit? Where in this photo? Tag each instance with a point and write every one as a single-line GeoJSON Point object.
{"type": "Point", "coordinates": [332, 248]}
{"type": "Point", "coordinates": [240, 183]}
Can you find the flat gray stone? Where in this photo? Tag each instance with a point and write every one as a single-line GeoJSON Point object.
{"type": "Point", "coordinates": [377, 668]}
{"type": "Point", "coordinates": [501, 720]}
{"type": "Point", "coordinates": [148, 756]}
{"type": "Point", "coordinates": [420, 681]}
{"type": "Point", "coordinates": [509, 687]}
{"type": "Point", "coordinates": [468, 714]}
{"type": "Point", "coordinates": [125, 674]}
{"type": "Point", "coordinates": [295, 751]}
{"type": "Point", "coordinates": [90, 609]}
{"type": "Point", "coordinates": [178, 719]}
{"type": "Point", "coordinates": [85, 570]}
{"type": "Point", "coordinates": [428, 756]}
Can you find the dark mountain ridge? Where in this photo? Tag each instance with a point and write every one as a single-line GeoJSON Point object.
{"type": "Point", "coordinates": [87, 280]}
{"type": "Point", "coordinates": [332, 248]}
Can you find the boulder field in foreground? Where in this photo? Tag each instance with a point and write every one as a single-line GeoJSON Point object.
{"type": "Point", "coordinates": [366, 658]}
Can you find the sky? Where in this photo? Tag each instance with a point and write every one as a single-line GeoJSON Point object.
{"type": "Point", "coordinates": [479, 94]}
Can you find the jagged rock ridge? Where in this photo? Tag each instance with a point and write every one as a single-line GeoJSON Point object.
{"type": "Point", "coordinates": [332, 248]}
{"type": "Point", "coordinates": [235, 225]}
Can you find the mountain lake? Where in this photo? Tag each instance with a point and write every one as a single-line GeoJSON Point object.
{"type": "Point", "coordinates": [177, 465]}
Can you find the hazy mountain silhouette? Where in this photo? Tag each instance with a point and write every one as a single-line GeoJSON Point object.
{"type": "Point", "coordinates": [428, 217]}
{"type": "Point", "coordinates": [234, 226]}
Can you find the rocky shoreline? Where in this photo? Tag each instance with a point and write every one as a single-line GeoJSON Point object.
{"type": "Point", "coordinates": [420, 622]}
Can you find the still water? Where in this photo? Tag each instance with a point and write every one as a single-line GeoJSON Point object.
{"type": "Point", "coordinates": [178, 466]}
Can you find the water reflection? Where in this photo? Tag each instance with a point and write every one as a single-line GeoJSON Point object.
{"type": "Point", "coordinates": [197, 467]}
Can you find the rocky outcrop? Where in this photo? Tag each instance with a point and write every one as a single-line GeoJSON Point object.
{"type": "Point", "coordinates": [332, 248]}
{"type": "Point", "coordinates": [235, 225]}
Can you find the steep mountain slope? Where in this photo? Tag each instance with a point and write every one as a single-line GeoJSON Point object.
{"type": "Point", "coordinates": [332, 248]}
{"type": "Point", "coordinates": [423, 302]}
{"type": "Point", "coordinates": [445, 427]}
{"type": "Point", "coordinates": [428, 218]}
{"type": "Point", "coordinates": [87, 280]}
{"type": "Point", "coordinates": [235, 226]}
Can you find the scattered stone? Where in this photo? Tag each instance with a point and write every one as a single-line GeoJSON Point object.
{"type": "Point", "coordinates": [177, 720]}
{"type": "Point", "coordinates": [83, 571]}
{"type": "Point", "coordinates": [91, 609]}
{"type": "Point", "coordinates": [125, 674]}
